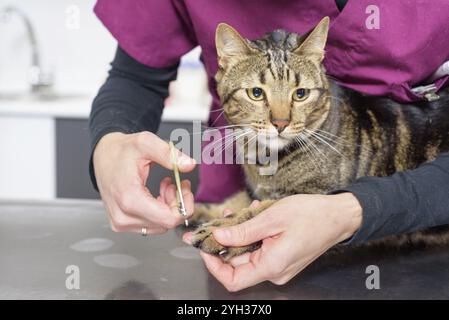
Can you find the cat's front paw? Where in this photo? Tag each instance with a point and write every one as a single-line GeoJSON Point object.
{"type": "Point", "coordinates": [202, 238]}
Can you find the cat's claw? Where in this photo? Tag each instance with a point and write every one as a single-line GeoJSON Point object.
{"type": "Point", "coordinates": [203, 239]}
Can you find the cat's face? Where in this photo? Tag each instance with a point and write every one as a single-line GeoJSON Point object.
{"type": "Point", "coordinates": [275, 86]}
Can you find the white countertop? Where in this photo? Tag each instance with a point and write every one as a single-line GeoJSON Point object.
{"type": "Point", "coordinates": [79, 108]}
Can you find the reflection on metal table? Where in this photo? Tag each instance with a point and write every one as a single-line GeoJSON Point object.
{"type": "Point", "coordinates": [40, 240]}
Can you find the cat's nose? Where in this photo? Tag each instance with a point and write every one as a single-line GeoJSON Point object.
{"type": "Point", "coordinates": [280, 124]}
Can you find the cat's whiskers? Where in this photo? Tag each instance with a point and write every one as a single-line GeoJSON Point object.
{"type": "Point", "coordinates": [206, 129]}
{"type": "Point", "coordinates": [234, 137]}
{"type": "Point", "coordinates": [229, 139]}
{"type": "Point", "coordinates": [218, 117]}
{"type": "Point", "coordinates": [304, 147]}
{"type": "Point", "coordinates": [246, 144]}
{"type": "Point", "coordinates": [216, 110]}
{"type": "Point", "coordinates": [299, 143]}
{"type": "Point", "coordinates": [224, 139]}
{"type": "Point", "coordinates": [333, 140]}
{"type": "Point", "coordinates": [313, 153]}
{"type": "Point", "coordinates": [232, 126]}
{"type": "Point", "coordinates": [226, 126]}
{"type": "Point", "coordinates": [227, 144]}
{"type": "Point", "coordinates": [331, 137]}
{"type": "Point", "coordinates": [343, 142]}
{"type": "Point", "coordinates": [313, 145]}
{"type": "Point", "coordinates": [319, 138]}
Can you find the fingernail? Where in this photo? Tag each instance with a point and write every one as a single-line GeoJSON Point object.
{"type": "Point", "coordinates": [186, 161]}
{"type": "Point", "coordinates": [227, 212]}
{"type": "Point", "coordinates": [186, 238]}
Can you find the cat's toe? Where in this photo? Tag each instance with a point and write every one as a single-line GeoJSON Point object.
{"type": "Point", "coordinates": [232, 252]}
{"type": "Point", "coordinates": [203, 239]}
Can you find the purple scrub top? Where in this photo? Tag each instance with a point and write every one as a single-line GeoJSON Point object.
{"type": "Point", "coordinates": [381, 54]}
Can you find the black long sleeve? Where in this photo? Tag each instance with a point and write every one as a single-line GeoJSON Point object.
{"type": "Point", "coordinates": [131, 100]}
{"type": "Point", "coordinates": [404, 202]}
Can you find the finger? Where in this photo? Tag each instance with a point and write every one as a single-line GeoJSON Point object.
{"type": "Point", "coordinates": [170, 196]}
{"type": "Point", "coordinates": [160, 199]}
{"type": "Point", "coordinates": [140, 203]}
{"type": "Point", "coordinates": [262, 226]}
{"type": "Point", "coordinates": [151, 230]}
{"type": "Point", "coordinates": [292, 270]}
{"type": "Point", "coordinates": [239, 260]}
{"type": "Point", "coordinates": [163, 185]}
{"type": "Point", "coordinates": [169, 193]}
{"type": "Point", "coordinates": [172, 200]}
{"type": "Point", "coordinates": [227, 212]}
{"type": "Point", "coordinates": [124, 223]}
{"type": "Point", "coordinates": [234, 279]}
{"type": "Point", "coordinates": [187, 238]}
{"type": "Point", "coordinates": [254, 204]}
{"type": "Point", "coordinates": [158, 150]}
{"type": "Point", "coordinates": [186, 189]}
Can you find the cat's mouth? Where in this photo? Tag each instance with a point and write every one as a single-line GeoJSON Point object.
{"type": "Point", "coordinates": [269, 137]}
{"type": "Point", "coordinates": [274, 140]}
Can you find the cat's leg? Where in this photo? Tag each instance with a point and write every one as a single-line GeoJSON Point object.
{"type": "Point", "coordinates": [205, 212]}
{"type": "Point", "coordinates": [203, 239]}
{"type": "Point", "coordinates": [428, 238]}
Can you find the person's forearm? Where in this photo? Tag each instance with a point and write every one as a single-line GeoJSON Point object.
{"type": "Point", "coordinates": [131, 100]}
{"type": "Point", "coordinates": [404, 202]}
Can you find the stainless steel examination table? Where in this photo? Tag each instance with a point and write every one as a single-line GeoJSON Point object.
{"type": "Point", "coordinates": [43, 244]}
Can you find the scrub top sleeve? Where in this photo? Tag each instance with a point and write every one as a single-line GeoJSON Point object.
{"type": "Point", "coordinates": [155, 33]}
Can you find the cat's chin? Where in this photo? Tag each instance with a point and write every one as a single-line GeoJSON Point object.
{"type": "Point", "coordinates": [274, 143]}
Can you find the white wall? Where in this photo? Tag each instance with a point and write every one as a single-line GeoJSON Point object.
{"type": "Point", "coordinates": [77, 53]}
{"type": "Point", "coordinates": [78, 57]}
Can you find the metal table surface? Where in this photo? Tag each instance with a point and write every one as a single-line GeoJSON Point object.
{"type": "Point", "coordinates": [39, 240]}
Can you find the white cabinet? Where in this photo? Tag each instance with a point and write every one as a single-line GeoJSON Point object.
{"type": "Point", "coordinates": [31, 154]}
{"type": "Point", "coordinates": [27, 157]}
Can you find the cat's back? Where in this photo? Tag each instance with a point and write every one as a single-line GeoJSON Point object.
{"type": "Point", "coordinates": [408, 133]}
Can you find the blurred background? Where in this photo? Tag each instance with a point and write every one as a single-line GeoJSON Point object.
{"type": "Point", "coordinates": [54, 56]}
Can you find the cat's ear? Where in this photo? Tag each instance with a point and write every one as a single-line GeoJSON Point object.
{"type": "Point", "coordinates": [230, 45]}
{"type": "Point", "coordinates": [315, 41]}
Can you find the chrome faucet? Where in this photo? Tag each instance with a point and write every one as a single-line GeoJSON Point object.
{"type": "Point", "coordinates": [40, 82]}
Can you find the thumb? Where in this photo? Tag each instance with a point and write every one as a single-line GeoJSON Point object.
{"type": "Point", "coordinates": [159, 151]}
{"type": "Point", "coordinates": [253, 230]}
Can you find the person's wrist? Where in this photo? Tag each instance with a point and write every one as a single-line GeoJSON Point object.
{"type": "Point", "coordinates": [106, 141]}
{"type": "Point", "coordinates": [348, 212]}
{"type": "Point", "coordinates": [110, 138]}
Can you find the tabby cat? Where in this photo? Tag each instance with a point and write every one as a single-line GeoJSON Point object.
{"type": "Point", "coordinates": [327, 135]}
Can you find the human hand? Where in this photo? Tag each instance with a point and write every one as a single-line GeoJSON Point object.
{"type": "Point", "coordinates": [295, 231]}
{"type": "Point", "coordinates": [122, 163]}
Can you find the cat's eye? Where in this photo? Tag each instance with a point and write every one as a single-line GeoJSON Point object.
{"type": "Point", "coordinates": [255, 93]}
{"type": "Point", "coordinates": [300, 94]}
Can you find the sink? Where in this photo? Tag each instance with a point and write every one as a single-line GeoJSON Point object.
{"type": "Point", "coordinates": [47, 96]}
{"type": "Point", "coordinates": [46, 104]}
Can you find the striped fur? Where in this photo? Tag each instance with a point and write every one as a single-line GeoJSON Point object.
{"type": "Point", "coordinates": [345, 134]}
